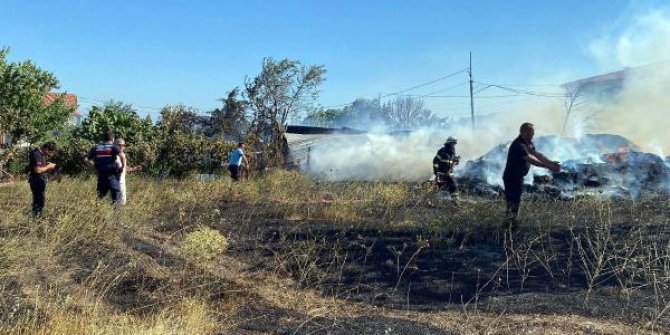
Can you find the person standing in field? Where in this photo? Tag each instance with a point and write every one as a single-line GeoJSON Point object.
{"type": "Point", "coordinates": [38, 167]}
{"type": "Point", "coordinates": [103, 160]}
{"type": "Point", "coordinates": [520, 157]}
{"type": "Point", "coordinates": [237, 161]}
{"type": "Point", "coordinates": [444, 163]}
{"type": "Point", "coordinates": [121, 143]}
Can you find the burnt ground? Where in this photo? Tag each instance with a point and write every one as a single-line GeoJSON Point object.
{"type": "Point", "coordinates": [494, 268]}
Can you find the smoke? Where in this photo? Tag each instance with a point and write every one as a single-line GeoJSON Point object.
{"type": "Point", "coordinates": [401, 156]}
{"type": "Point", "coordinates": [640, 112]}
{"type": "Point", "coordinates": [637, 112]}
{"type": "Point", "coordinates": [376, 156]}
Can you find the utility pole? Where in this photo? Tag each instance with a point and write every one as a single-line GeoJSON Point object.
{"type": "Point", "coordinates": [472, 100]}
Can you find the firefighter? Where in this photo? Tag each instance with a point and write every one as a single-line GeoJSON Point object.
{"type": "Point", "coordinates": [38, 167]}
{"type": "Point", "coordinates": [443, 167]}
{"type": "Point", "coordinates": [103, 160]}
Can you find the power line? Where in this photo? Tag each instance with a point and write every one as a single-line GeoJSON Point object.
{"type": "Point", "coordinates": [526, 92]}
{"type": "Point", "coordinates": [408, 89]}
{"type": "Point", "coordinates": [425, 84]}
{"type": "Point", "coordinates": [93, 102]}
{"type": "Point", "coordinates": [443, 90]}
{"type": "Point", "coordinates": [529, 85]}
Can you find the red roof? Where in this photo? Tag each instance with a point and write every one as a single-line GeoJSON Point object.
{"type": "Point", "coordinates": [68, 98]}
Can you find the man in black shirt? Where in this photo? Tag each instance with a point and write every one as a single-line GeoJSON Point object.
{"type": "Point", "coordinates": [521, 156]}
{"type": "Point", "coordinates": [37, 174]}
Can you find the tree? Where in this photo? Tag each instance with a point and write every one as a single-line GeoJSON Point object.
{"type": "Point", "coordinates": [23, 113]}
{"type": "Point", "coordinates": [283, 89]}
{"type": "Point", "coordinates": [182, 119]}
{"type": "Point", "coordinates": [364, 114]}
{"type": "Point", "coordinates": [115, 116]}
{"type": "Point", "coordinates": [182, 147]}
{"type": "Point", "coordinates": [325, 118]}
{"type": "Point", "coordinates": [230, 120]}
{"type": "Point", "coordinates": [405, 113]}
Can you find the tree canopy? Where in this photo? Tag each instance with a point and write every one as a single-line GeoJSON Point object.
{"type": "Point", "coordinates": [23, 112]}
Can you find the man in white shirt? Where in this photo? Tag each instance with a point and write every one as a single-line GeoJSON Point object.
{"type": "Point", "coordinates": [121, 143]}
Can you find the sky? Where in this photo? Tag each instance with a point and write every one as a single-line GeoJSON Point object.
{"type": "Point", "coordinates": [156, 53]}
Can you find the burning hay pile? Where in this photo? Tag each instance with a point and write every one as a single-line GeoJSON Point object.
{"type": "Point", "coordinates": [605, 165]}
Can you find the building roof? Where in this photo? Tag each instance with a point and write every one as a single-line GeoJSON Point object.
{"type": "Point", "coordinates": [69, 99]}
{"type": "Point", "coordinates": [305, 130]}
{"type": "Point", "coordinates": [599, 79]}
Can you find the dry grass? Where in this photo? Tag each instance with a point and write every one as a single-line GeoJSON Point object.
{"type": "Point", "coordinates": [156, 266]}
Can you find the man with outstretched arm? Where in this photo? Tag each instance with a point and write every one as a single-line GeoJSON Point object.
{"type": "Point", "coordinates": [521, 156]}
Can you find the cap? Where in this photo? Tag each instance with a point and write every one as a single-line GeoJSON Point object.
{"type": "Point", "coordinates": [451, 140]}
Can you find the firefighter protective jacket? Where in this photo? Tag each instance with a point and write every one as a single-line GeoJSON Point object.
{"type": "Point", "coordinates": [445, 160]}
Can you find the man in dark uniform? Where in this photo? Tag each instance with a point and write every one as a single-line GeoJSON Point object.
{"type": "Point", "coordinates": [443, 167]}
{"type": "Point", "coordinates": [102, 158]}
{"type": "Point", "coordinates": [521, 156]}
{"type": "Point", "coordinates": [37, 174]}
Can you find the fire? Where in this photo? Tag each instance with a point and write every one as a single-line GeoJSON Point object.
{"type": "Point", "coordinates": [620, 157]}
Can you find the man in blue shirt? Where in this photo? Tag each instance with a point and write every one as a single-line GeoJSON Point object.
{"type": "Point", "coordinates": [102, 158]}
{"type": "Point", "coordinates": [37, 174]}
{"type": "Point", "coordinates": [236, 161]}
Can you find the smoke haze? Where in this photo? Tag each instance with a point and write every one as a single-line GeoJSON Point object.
{"type": "Point", "coordinates": [639, 113]}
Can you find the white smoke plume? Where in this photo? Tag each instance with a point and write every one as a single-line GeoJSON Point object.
{"type": "Point", "coordinates": [641, 111]}
{"type": "Point", "coordinates": [638, 113]}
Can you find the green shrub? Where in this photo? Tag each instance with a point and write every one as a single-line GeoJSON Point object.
{"type": "Point", "coordinates": [203, 244]}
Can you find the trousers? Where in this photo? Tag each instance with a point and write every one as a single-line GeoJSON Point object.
{"type": "Point", "coordinates": [109, 183]}
{"type": "Point", "coordinates": [38, 187]}
{"type": "Point", "coordinates": [513, 191]}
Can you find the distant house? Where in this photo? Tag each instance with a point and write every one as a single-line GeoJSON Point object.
{"type": "Point", "coordinates": [68, 98]}
{"type": "Point", "coordinates": [607, 87]}
{"type": "Point", "coordinates": [600, 88]}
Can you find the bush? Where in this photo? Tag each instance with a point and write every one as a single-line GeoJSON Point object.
{"type": "Point", "coordinates": [203, 244]}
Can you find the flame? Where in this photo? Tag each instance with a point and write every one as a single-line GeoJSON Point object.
{"type": "Point", "coordinates": [620, 157]}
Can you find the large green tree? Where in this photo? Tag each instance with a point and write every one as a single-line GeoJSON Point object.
{"type": "Point", "coordinates": [23, 113]}
{"type": "Point", "coordinates": [181, 146]}
{"type": "Point", "coordinates": [115, 116]}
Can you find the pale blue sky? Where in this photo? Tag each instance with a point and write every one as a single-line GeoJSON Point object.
{"type": "Point", "coordinates": [153, 53]}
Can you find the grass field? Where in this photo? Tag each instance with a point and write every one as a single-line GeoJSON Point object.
{"type": "Point", "coordinates": [282, 254]}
